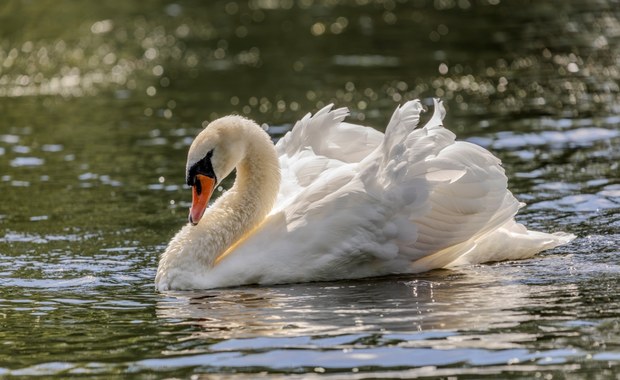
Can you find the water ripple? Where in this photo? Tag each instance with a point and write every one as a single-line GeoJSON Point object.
{"type": "Point", "coordinates": [578, 137]}
{"type": "Point", "coordinates": [26, 161]}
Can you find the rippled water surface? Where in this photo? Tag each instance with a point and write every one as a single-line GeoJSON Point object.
{"type": "Point", "coordinates": [100, 101]}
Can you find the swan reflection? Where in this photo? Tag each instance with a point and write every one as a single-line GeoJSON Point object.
{"type": "Point", "coordinates": [478, 299]}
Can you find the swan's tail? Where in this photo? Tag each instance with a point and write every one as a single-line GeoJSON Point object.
{"type": "Point", "coordinates": [512, 241]}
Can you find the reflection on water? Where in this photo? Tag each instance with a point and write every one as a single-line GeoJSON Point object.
{"type": "Point", "coordinates": [501, 319]}
{"type": "Point", "coordinates": [443, 318]}
{"type": "Point", "coordinates": [442, 301]}
{"type": "Point", "coordinates": [100, 101]}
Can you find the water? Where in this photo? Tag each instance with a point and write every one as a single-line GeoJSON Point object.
{"type": "Point", "coordinates": [100, 100]}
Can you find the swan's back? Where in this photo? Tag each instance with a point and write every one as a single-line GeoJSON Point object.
{"type": "Point", "coordinates": [355, 203]}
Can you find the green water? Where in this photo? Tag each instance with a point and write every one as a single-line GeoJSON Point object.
{"type": "Point", "coordinates": [99, 102]}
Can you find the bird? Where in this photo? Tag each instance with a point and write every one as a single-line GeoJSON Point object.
{"type": "Point", "coordinates": [332, 200]}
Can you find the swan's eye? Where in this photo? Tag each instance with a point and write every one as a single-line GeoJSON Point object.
{"type": "Point", "coordinates": [197, 186]}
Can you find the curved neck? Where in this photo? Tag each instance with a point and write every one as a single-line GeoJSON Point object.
{"type": "Point", "coordinates": [244, 206]}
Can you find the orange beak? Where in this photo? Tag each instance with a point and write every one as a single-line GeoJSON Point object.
{"type": "Point", "coordinates": [201, 193]}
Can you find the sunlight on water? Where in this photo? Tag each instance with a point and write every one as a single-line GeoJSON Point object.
{"type": "Point", "coordinates": [100, 102]}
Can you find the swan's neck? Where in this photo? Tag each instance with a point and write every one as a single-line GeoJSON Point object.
{"type": "Point", "coordinates": [244, 206]}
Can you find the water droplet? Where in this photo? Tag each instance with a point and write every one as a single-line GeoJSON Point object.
{"type": "Point", "coordinates": [158, 70]}
{"type": "Point", "coordinates": [572, 67]}
{"type": "Point", "coordinates": [317, 29]}
{"type": "Point", "coordinates": [103, 26]}
{"type": "Point", "coordinates": [443, 69]}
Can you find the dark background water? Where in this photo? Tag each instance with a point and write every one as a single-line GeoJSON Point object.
{"type": "Point", "coordinates": [100, 100]}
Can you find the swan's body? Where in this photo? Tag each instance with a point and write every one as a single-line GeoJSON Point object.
{"type": "Point", "coordinates": [337, 201]}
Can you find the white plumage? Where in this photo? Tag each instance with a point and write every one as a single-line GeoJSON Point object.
{"type": "Point", "coordinates": [346, 202]}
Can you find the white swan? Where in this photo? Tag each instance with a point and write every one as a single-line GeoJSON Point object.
{"type": "Point", "coordinates": [333, 200]}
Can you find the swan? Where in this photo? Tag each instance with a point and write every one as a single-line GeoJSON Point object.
{"type": "Point", "coordinates": [333, 200]}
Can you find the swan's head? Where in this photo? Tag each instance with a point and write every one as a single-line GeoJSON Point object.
{"type": "Point", "coordinates": [213, 155]}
